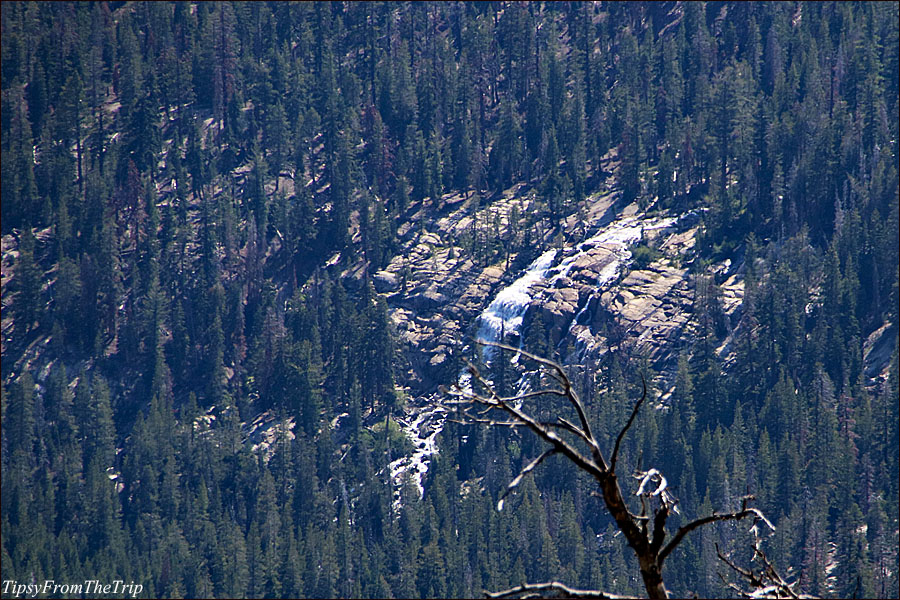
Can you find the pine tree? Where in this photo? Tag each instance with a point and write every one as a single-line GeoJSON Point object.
{"type": "Point", "coordinates": [100, 432]}
{"type": "Point", "coordinates": [629, 155]}
{"type": "Point", "coordinates": [28, 284]}
{"type": "Point", "coordinates": [20, 430]}
{"type": "Point", "coordinates": [18, 183]}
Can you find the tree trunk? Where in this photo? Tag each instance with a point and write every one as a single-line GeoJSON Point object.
{"type": "Point", "coordinates": [652, 576]}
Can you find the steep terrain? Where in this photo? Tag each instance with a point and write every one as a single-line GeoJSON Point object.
{"type": "Point", "coordinates": [591, 296]}
{"type": "Point", "coordinates": [244, 244]}
{"type": "Point", "coordinates": [589, 293]}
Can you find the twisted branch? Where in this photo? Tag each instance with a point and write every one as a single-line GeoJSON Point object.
{"type": "Point", "coordinates": [644, 533]}
{"type": "Point", "coordinates": [765, 584]}
{"type": "Point", "coordinates": [736, 516]}
{"type": "Point", "coordinates": [634, 412]}
{"type": "Point", "coordinates": [553, 589]}
{"type": "Point", "coordinates": [559, 374]}
{"type": "Point", "coordinates": [518, 479]}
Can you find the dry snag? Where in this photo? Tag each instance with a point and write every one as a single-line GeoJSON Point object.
{"type": "Point", "coordinates": [766, 583]}
{"type": "Point", "coordinates": [645, 534]}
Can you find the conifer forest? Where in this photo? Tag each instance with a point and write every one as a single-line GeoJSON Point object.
{"type": "Point", "coordinates": [446, 299]}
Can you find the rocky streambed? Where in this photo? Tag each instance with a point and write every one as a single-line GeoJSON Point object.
{"type": "Point", "coordinates": [587, 293]}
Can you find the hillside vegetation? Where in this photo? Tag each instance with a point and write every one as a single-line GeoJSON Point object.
{"type": "Point", "coordinates": [244, 242]}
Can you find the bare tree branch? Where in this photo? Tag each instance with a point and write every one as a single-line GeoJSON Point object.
{"type": "Point", "coordinates": [659, 528]}
{"type": "Point", "coordinates": [560, 423]}
{"type": "Point", "coordinates": [634, 412]}
{"type": "Point", "coordinates": [518, 479]}
{"type": "Point", "coordinates": [489, 422]}
{"type": "Point", "coordinates": [685, 529]}
{"type": "Point", "coordinates": [747, 574]}
{"type": "Point", "coordinates": [644, 533]}
{"type": "Point", "coordinates": [560, 375]}
{"type": "Point", "coordinates": [552, 589]}
{"type": "Point", "coordinates": [564, 424]}
{"type": "Point", "coordinates": [542, 392]}
{"type": "Point", "coordinates": [765, 584]}
{"type": "Point", "coordinates": [496, 402]}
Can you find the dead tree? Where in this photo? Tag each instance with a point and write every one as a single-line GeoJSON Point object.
{"type": "Point", "coordinates": [765, 583]}
{"type": "Point", "coordinates": [644, 533]}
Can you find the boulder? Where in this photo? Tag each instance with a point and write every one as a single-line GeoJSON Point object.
{"type": "Point", "coordinates": [385, 282]}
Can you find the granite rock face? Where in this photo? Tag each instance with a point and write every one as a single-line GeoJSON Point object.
{"type": "Point", "coordinates": [472, 269]}
{"type": "Point", "coordinates": [602, 304]}
{"type": "Point", "coordinates": [584, 287]}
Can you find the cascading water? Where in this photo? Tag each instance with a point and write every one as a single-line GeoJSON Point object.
{"type": "Point", "coordinates": [422, 431]}
{"type": "Point", "coordinates": [503, 316]}
{"type": "Point", "coordinates": [616, 237]}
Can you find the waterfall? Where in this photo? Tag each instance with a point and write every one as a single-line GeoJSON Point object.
{"type": "Point", "coordinates": [504, 315]}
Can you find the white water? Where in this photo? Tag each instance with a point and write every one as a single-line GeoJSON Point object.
{"type": "Point", "coordinates": [616, 237]}
{"type": "Point", "coordinates": [422, 431]}
{"type": "Point", "coordinates": [504, 316]}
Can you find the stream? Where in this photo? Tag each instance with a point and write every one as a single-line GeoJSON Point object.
{"type": "Point", "coordinates": [502, 317]}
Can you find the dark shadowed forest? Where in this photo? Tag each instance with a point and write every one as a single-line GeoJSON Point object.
{"type": "Point", "coordinates": [218, 220]}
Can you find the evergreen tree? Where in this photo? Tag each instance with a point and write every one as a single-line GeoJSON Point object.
{"type": "Point", "coordinates": [18, 183]}
{"type": "Point", "coordinates": [28, 297]}
{"type": "Point", "coordinates": [205, 316]}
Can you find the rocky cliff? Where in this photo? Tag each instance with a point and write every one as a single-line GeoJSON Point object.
{"type": "Point", "coordinates": [591, 294]}
{"type": "Point", "coordinates": [588, 291]}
